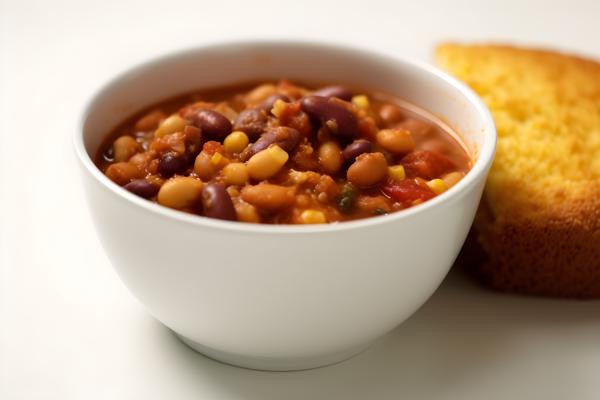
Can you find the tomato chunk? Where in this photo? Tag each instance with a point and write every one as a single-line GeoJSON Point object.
{"type": "Point", "coordinates": [292, 116]}
{"type": "Point", "coordinates": [407, 192]}
{"type": "Point", "coordinates": [211, 147]}
{"type": "Point", "coordinates": [426, 164]}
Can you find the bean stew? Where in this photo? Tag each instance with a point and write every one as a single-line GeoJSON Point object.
{"type": "Point", "coordinates": [283, 153]}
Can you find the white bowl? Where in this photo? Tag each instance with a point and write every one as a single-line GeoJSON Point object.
{"type": "Point", "coordinates": [282, 297]}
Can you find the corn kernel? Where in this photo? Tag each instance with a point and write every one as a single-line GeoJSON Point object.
{"type": "Point", "coordinates": [278, 108]}
{"type": "Point", "coordinates": [235, 174]}
{"type": "Point", "coordinates": [312, 217]}
{"type": "Point", "coordinates": [216, 158]}
{"type": "Point", "coordinates": [452, 178]}
{"type": "Point", "coordinates": [437, 186]}
{"type": "Point", "coordinates": [235, 142]}
{"type": "Point", "coordinates": [396, 172]}
{"type": "Point", "coordinates": [361, 101]}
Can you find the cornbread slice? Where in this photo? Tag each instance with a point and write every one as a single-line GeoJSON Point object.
{"type": "Point", "coordinates": [540, 217]}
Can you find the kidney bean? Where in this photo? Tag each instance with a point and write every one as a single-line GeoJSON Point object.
{"type": "Point", "coordinates": [265, 164]}
{"type": "Point", "coordinates": [390, 113]}
{"type": "Point", "coordinates": [267, 105]}
{"type": "Point", "coordinates": [235, 174]}
{"type": "Point", "coordinates": [193, 141]}
{"type": "Point", "coordinates": [204, 167]}
{"type": "Point", "coordinates": [283, 136]}
{"type": "Point", "coordinates": [216, 202]}
{"type": "Point", "coordinates": [338, 91]}
{"type": "Point", "coordinates": [142, 161]}
{"type": "Point", "coordinates": [180, 192]}
{"type": "Point", "coordinates": [213, 124]}
{"type": "Point", "coordinates": [264, 141]}
{"type": "Point", "coordinates": [269, 197]}
{"type": "Point", "coordinates": [171, 164]}
{"type": "Point", "coordinates": [356, 148]}
{"type": "Point", "coordinates": [190, 155]}
{"type": "Point", "coordinates": [124, 147]}
{"type": "Point", "coordinates": [330, 157]}
{"type": "Point", "coordinates": [142, 188]}
{"type": "Point", "coordinates": [415, 126]}
{"type": "Point", "coordinates": [123, 172]}
{"type": "Point", "coordinates": [247, 212]}
{"type": "Point", "coordinates": [287, 138]}
{"type": "Point", "coordinates": [170, 125]}
{"type": "Point", "coordinates": [260, 93]}
{"type": "Point", "coordinates": [150, 121]}
{"type": "Point", "coordinates": [367, 170]}
{"type": "Point", "coordinates": [327, 110]}
{"type": "Point", "coordinates": [396, 141]}
{"type": "Point", "coordinates": [252, 122]}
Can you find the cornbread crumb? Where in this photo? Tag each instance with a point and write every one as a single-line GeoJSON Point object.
{"type": "Point", "coordinates": [540, 217]}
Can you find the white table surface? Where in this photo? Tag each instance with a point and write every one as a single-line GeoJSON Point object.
{"type": "Point", "coordinates": [69, 328]}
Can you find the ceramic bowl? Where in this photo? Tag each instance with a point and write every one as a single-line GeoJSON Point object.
{"type": "Point", "coordinates": [282, 297]}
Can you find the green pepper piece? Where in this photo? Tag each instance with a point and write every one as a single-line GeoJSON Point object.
{"type": "Point", "coordinates": [347, 199]}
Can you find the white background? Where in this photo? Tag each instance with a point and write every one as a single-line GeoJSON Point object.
{"type": "Point", "coordinates": [70, 330]}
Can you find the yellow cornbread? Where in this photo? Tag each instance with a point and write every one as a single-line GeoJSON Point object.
{"type": "Point", "coordinates": [540, 218]}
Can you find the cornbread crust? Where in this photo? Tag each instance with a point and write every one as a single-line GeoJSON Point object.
{"type": "Point", "coordinates": [540, 217]}
{"type": "Point", "coordinates": [556, 257]}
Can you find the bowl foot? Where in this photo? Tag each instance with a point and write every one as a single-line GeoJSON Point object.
{"type": "Point", "coordinates": [274, 364]}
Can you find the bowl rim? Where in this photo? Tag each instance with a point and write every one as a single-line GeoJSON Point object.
{"type": "Point", "coordinates": [478, 171]}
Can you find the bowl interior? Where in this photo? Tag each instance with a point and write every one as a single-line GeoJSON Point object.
{"type": "Point", "coordinates": [227, 64]}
